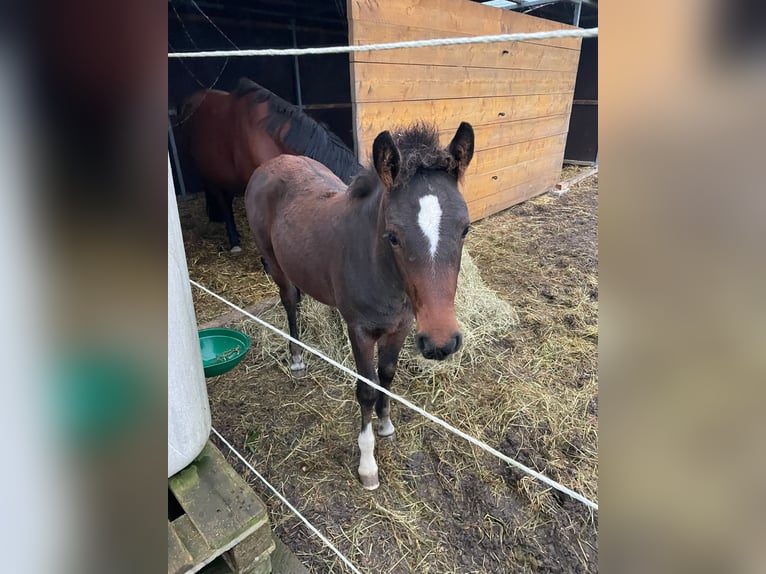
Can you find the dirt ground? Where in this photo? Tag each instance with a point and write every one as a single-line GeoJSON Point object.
{"type": "Point", "coordinates": [443, 506]}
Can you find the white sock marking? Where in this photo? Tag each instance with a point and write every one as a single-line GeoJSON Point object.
{"type": "Point", "coordinates": [297, 363]}
{"type": "Point", "coordinates": [367, 464]}
{"type": "Point", "coordinates": [429, 219]}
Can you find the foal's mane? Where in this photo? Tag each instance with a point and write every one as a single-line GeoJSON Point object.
{"type": "Point", "coordinates": [305, 136]}
{"type": "Point", "coordinates": [419, 149]}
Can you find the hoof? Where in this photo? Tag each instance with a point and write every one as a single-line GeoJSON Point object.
{"type": "Point", "coordinates": [369, 482]}
{"type": "Point", "coordinates": [236, 250]}
{"type": "Point", "coordinates": [386, 429]}
{"type": "Point", "coordinates": [301, 366]}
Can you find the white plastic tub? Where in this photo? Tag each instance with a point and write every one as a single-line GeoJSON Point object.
{"type": "Point", "coordinates": [188, 406]}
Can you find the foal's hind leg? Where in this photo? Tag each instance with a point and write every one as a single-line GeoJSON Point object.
{"type": "Point", "coordinates": [389, 347]}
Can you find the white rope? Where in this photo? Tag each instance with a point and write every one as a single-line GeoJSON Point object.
{"type": "Point", "coordinates": [550, 482]}
{"type": "Point", "coordinates": [305, 520]}
{"type": "Point", "coordinates": [518, 37]}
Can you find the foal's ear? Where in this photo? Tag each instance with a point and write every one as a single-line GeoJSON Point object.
{"type": "Point", "coordinates": [385, 157]}
{"type": "Point", "coordinates": [461, 149]}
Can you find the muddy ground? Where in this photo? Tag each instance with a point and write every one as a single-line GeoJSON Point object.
{"type": "Point", "coordinates": [443, 506]}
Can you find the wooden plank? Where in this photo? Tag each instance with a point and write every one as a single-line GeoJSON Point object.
{"type": "Point", "coordinates": [179, 558]}
{"type": "Point", "coordinates": [217, 500]}
{"type": "Point", "coordinates": [480, 208]}
{"type": "Point", "coordinates": [480, 185]}
{"type": "Point", "coordinates": [355, 123]}
{"type": "Point", "coordinates": [495, 159]}
{"type": "Point", "coordinates": [508, 133]}
{"type": "Point", "coordinates": [256, 309]}
{"type": "Point", "coordinates": [509, 55]}
{"type": "Point", "coordinates": [467, 18]}
{"type": "Point", "coordinates": [447, 114]}
{"type": "Point", "coordinates": [398, 82]}
{"type": "Point", "coordinates": [563, 186]}
{"type": "Point", "coordinates": [252, 552]}
{"type": "Point", "coordinates": [192, 539]}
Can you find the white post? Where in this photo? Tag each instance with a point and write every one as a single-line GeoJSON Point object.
{"type": "Point", "coordinates": [188, 407]}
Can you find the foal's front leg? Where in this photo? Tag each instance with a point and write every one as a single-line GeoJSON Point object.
{"type": "Point", "coordinates": [389, 346]}
{"type": "Point", "coordinates": [363, 346]}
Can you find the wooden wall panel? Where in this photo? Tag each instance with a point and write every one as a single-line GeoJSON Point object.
{"type": "Point", "coordinates": [517, 96]}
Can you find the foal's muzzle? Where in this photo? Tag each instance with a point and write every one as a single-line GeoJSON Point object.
{"type": "Point", "coordinates": [438, 352]}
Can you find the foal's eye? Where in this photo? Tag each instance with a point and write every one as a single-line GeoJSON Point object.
{"type": "Point", "coordinates": [466, 230]}
{"type": "Point", "coordinates": [393, 239]}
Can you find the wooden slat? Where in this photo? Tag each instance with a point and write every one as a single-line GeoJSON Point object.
{"type": "Point", "coordinates": [403, 82]}
{"type": "Point", "coordinates": [468, 18]}
{"type": "Point", "coordinates": [481, 185]}
{"type": "Point", "coordinates": [513, 55]}
{"type": "Point", "coordinates": [480, 208]}
{"type": "Point", "coordinates": [371, 118]}
{"type": "Point", "coordinates": [179, 558]}
{"type": "Point", "coordinates": [492, 160]}
{"type": "Point", "coordinates": [192, 539]}
{"type": "Point", "coordinates": [508, 133]}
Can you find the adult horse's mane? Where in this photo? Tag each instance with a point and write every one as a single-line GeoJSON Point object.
{"type": "Point", "coordinates": [305, 136]}
{"type": "Point", "coordinates": [419, 149]}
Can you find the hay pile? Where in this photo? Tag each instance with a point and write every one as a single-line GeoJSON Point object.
{"type": "Point", "coordinates": [482, 315]}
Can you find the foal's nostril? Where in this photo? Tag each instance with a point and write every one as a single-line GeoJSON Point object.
{"type": "Point", "coordinates": [420, 342]}
{"type": "Point", "coordinates": [432, 351]}
{"type": "Point", "coordinates": [458, 342]}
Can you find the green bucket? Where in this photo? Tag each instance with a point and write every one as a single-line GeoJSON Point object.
{"type": "Point", "coordinates": [222, 349]}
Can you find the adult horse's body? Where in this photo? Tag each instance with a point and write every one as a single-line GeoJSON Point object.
{"type": "Point", "coordinates": [384, 251]}
{"type": "Point", "coordinates": [228, 135]}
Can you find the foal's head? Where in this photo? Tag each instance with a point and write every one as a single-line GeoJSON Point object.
{"type": "Point", "coordinates": [425, 221]}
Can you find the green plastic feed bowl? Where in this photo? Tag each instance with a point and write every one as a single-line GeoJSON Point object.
{"type": "Point", "coordinates": [222, 349]}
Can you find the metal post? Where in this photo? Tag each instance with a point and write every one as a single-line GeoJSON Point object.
{"type": "Point", "coordinates": [577, 10]}
{"type": "Point", "coordinates": [296, 69]}
{"type": "Point", "coordinates": [176, 161]}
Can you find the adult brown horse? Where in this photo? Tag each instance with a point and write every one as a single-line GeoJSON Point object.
{"type": "Point", "coordinates": [384, 251]}
{"type": "Point", "coordinates": [228, 135]}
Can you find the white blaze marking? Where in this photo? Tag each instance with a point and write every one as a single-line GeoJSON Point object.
{"type": "Point", "coordinates": [429, 219]}
{"type": "Point", "coordinates": [367, 464]}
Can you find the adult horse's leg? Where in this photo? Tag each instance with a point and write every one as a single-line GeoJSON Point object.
{"type": "Point", "coordinates": [363, 347]}
{"type": "Point", "coordinates": [389, 347]}
{"type": "Point", "coordinates": [220, 208]}
{"type": "Point", "coordinates": [228, 219]}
